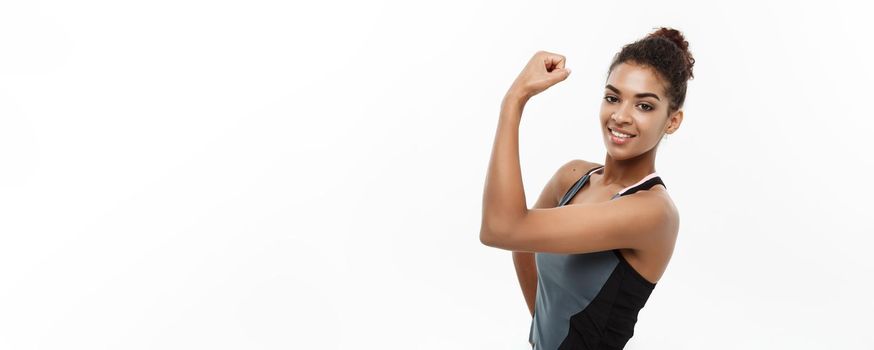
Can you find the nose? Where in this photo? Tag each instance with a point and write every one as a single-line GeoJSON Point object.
{"type": "Point", "coordinates": [622, 114]}
{"type": "Point", "coordinates": [620, 117]}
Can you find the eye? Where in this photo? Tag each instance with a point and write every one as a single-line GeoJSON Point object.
{"type": "Point", "coordinates": [612, 99]}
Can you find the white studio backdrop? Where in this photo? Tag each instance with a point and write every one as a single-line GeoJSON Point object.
{"type": "Point", "coordinates": [274, 175]}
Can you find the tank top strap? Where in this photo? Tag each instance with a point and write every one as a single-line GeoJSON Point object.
{"type": "Point", "coordinates": [577, 186]}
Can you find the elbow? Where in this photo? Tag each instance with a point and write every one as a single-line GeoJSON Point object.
{"type": "Point", "coordinates": [496, 231]}
{"type": "Point", "coordinates": [485, 236]}
{"type": "Point", "coordinates": [491, 235]}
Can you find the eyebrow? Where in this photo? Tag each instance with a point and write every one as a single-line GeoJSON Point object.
{"type": "Point", "coordinates": [642, 94]}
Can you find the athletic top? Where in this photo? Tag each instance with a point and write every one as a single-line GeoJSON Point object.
{"type": "Point", "coordinates": [590, 300]}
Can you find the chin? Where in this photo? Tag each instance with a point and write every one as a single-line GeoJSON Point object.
{"type": "Point", "coordinates": [616, 156]}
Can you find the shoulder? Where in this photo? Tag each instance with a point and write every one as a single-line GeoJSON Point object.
{"type": "Point", "coordinates": [573, 170]}
{"type": "Point", "coordinates": [567, 174]}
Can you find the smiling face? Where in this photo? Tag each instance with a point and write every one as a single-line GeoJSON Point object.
{"type": "Point", "coordinates": [635, 104]}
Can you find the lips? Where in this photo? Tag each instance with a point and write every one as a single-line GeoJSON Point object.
{"type": "Point", "coordinates": [621, 132]}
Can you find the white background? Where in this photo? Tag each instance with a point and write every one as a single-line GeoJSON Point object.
{"type": "Point", "coordinates": [266, 175]}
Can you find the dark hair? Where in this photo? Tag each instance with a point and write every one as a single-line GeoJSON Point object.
{"type": "Point", "coordinates": [667, 52]}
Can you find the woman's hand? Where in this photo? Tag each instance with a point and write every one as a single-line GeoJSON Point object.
{"type": "Point", "coordinates": [545, 69]}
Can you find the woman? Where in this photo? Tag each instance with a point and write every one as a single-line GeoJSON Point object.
{"type": "Point", "coordinates": [593, 247]}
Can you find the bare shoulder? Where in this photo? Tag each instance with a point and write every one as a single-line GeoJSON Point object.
{"type": "Point", "coordinates": [569, 173]}
{"type": "Point", "coordinates": [574, 169]}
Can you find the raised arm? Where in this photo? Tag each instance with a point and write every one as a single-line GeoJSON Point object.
{"type": "Point", "coordinates": [504, 196]}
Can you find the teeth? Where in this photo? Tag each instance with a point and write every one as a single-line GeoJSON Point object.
{"type": "Point", "coordinates": [619, 134]}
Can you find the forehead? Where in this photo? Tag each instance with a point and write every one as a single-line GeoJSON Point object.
{"type": "Point", "coordinates": [631, 78]}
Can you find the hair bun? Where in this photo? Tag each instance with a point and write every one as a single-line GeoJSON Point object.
{"type": "Point", "coordinates": [677, 38]}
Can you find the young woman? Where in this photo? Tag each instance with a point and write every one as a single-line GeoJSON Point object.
{"type": "Point", "coordinates": [593, 247]}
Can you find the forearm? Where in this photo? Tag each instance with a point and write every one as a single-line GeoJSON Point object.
{"type": "Point", "coordinates": [526, 272]}
{"type": "Point", "coordinates": [504, 194]}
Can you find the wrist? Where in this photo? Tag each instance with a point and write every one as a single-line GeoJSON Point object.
{"type": "Point", "coordinates": [515, 98]}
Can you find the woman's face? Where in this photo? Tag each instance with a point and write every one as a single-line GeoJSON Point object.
{"type": "Point", "coordinates": [634, 103]}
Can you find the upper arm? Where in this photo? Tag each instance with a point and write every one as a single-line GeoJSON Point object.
{"type": "Point", "coordinates": [634, 221]}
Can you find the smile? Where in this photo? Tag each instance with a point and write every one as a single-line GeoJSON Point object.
{"type": "Point", "coordinates": [619, 134]}
{"type": "Point", "coordinates": [620, 138]}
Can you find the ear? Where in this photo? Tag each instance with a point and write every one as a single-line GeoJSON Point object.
{"type": "Point", "coordinates": [674, 122]}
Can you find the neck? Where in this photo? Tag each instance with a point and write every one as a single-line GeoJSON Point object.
{"type": "Point", "coordinates": [626, 172]}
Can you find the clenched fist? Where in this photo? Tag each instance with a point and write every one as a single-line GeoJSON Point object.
{"type": "Point", "coordinates": [545, 69]}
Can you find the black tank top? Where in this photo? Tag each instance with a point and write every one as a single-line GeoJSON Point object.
{"type": "Point", "coordinates": [591, 300]}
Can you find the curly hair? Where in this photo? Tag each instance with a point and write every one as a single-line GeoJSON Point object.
{"type": "Point", "coordinates": [667, 52]}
